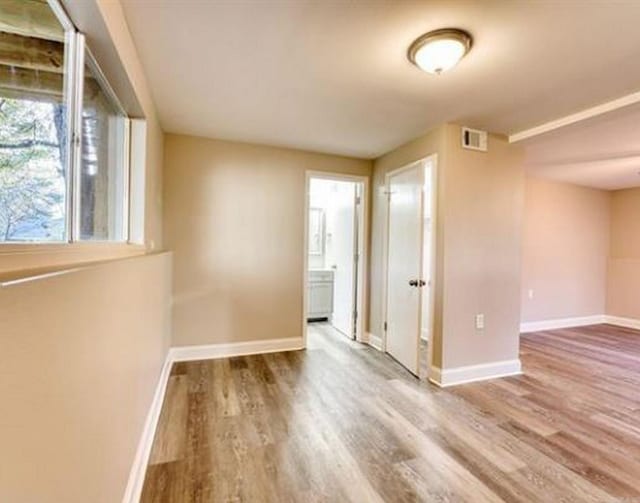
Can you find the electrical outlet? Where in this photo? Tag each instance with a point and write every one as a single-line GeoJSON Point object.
{"type": "Point", "coordinates": [479, 321]}
{"type": "Point", "coordinates": [530, 294]}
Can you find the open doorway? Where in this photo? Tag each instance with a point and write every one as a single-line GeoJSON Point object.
{"type": "Point", "coordinates": [410, 259]}
{"type": "Point", "coordinates": [334, 255]}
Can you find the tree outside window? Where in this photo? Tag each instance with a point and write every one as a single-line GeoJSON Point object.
{"type": "Point", "coordinates": [32, 170]}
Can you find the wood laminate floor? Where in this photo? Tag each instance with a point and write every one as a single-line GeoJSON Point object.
{"type": "Point", "coordinates": [342, 422]}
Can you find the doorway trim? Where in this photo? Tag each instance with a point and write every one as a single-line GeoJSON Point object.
{"type": "Point", "coordinates": [433, 158]}
{"type": "Point", "coordinates": [363, 247]}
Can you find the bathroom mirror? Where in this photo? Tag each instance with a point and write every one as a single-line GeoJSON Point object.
{"type": "Point", "coordinates": [316, 231]}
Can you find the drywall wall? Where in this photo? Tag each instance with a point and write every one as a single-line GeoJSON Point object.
{"type": "Point", "coordinates": [478, 230]}
{"type": "Point", "coordinates": [81, 356]}
{"type": "Point", "coordinates": [481, 206]}
{"type": "Point", "coordinates": [623, 279]}
{"type": "Point", "coordinates": [234, 218]}
{"type": "Point", "coordinates": [83, 350]}
{"type": "Point", "coordinates": [564, 250]}
{"type": "Point", "coordinates": [581, 252]}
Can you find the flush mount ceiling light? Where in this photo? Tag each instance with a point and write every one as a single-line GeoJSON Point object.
{"type": "Point", "coordinates": [440, 50]}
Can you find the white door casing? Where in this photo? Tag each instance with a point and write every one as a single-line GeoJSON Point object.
{"type": "Point", "coordinates": [427, 252]}
{"type": "Point", "coordinates": [361, 280]}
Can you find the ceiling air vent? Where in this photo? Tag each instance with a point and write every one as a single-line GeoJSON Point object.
{"type": "Point", "coordinates": [474, 139]}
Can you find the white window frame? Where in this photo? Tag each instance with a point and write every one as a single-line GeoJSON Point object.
{"type": "Point", "coordinates": [84, 57]}
{"type": "Point", "coordinates": [77, 54]}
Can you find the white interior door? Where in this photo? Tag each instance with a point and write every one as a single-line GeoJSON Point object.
{"type": "Point", "coordinates": [404, 268]}
{"type": "Point", "coordinates": [341, 249]}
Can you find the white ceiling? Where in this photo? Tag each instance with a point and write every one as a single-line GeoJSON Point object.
{"type": "Point", "coordinates": [602, 152]}
{"type": "Point", "coordinates": [333, 76]}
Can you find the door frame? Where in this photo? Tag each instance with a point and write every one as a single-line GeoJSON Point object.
{"type": "Point", "coordinates": [433, 158]}
{"type": "Point", "coordinates": [363, 246]}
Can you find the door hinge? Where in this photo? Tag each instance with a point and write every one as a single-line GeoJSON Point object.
{"type": "Point", "coordinates": [76, 139]}
{"type": "Point", "coordinates": [385, 326]}
{"type": "Point", "coordinates": [358, 200]}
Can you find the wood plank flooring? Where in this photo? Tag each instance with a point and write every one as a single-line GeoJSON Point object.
{"type": "Point", "coordinates": [342, 422]}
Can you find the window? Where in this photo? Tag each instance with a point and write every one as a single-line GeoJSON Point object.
{"type": "Point", "coordinates": [63, 146]}
{"type": "Point", "coordinates": [33, 134]}
{"type": "Point", "coordinates": [102, 209]}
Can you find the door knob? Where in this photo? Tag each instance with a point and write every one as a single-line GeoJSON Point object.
{"type": "Point", "coordinates": [413, 282]}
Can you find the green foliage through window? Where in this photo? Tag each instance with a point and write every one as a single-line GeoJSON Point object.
{"type": "Point", "coordinates": [32, 170]}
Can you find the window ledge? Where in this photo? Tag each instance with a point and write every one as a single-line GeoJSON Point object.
{"type": "Point", "coordinates": [19, 277]}
{"type": "Point", "coordinates": [21, 260]}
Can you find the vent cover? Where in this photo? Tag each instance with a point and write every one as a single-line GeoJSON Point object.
{"type": "Point", "coordinates": [474, 139]}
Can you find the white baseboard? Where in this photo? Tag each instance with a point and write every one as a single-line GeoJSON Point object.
{"type": "Point", "coordinates": [211, 351]}
{"type": "Point", "coordinates": [472, 373]}
{"type": "Point", "coordinates": [536, 326]}
{"type": "Point", "coordinates": [622, 322]}
{"type": "Point", "coordinates": [375, 341]}
{"type": "Point", "coordinates": [138, 471]}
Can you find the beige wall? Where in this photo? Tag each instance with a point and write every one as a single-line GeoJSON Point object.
{"type": "Point", "coordinates": [234, 218]}
{"type": "Point", "coordinates": [623, 282]}
{"type": "Point", "coordinates": [625, 224]}
{"type": "Point", "coordinates": [81, 355]}
{"type": "Point", "coordinates": [481, 203]}
{"type": "Point", "coordinates": [478, 224]}
{"type": "Point", "coordinates": [82, 351]}
{"type": "Point", "coordinates": [581, 252]}
{"type": "Point", "coordinates": [564, 250]}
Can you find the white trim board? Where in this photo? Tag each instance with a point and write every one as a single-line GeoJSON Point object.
{"type": "Point", "coordinates": [618, 321]}
{"type": "Point", "coordinates": [583, 321]}
{"type": "Point", "coordinates": [133, 491]}
{"type": "Point", "coordinates": [211, 351]}
{"type": "Point", "coordinates": [375, 341]}
{"type": "Point", "coordinates": [588, 113]}
{"type": "Point", "coordinates": [138, 471]}
{"type": "Point", "coordinates": [472, 373]}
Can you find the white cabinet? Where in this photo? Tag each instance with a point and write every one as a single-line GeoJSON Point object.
{"type": "Point", "coordinates": [320, 295]}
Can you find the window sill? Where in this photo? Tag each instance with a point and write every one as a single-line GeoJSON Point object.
{"type": "Point", "coordinates": [20, 260]}
{"type": "Point", "coordinates": [27, 276]}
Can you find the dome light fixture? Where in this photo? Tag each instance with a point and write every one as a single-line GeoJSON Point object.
{"type": "Point", "coordinates": [440, 50]}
